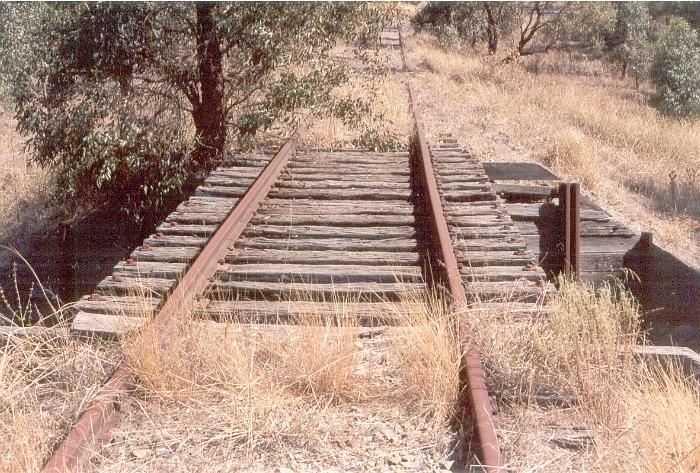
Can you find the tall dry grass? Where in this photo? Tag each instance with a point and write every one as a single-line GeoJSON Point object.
{"type": "Point", "coordinates": [298, 386]}
{"type": "Point", "coordinates": [569, 371]}
{"type": "Point", "coordinates": [586, 124]}
{"type": "Point", "coordinates": [44, 380]}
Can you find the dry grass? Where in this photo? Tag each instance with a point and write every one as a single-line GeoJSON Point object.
{"type": "Point", "coordinates": [588, 125]}
{"type": "Point", "coordinates": [220, 396]}
{"type": "Point", "coordinates": [24, 189]}
{"type": "Point", "coordinates": [572, 353]}
{"type": "Point", "coordinates": [389, 110]}
{"type": "Point", "coordinates": [44, 379]}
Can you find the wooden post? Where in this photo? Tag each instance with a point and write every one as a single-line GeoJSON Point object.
{"type": "Point", "coordinates": [570, 211]}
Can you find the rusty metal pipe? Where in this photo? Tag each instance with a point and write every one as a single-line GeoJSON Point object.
{"type": "Point", "coordinates": [85, 437]}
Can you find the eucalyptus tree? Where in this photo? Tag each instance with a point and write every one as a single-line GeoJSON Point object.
{"type": "Point", "coordinates": [125, 100]}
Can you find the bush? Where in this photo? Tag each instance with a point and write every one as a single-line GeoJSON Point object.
{"type": "Point", "coordinates": [676, 69]}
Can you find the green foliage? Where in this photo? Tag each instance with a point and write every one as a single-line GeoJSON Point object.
{"type": "Point", "coordinates": [452, 22]}
{"type": "Point", "coordinates": [585, 24]}
{"type": "Point", "coordinates": [108, 94]}
{"type": "Point", "coordinates": [676, 69]}
{"type": "Point", "coordinates": [632, 29]}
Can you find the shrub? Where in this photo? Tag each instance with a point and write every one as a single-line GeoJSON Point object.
{"type": "Point", "coordinates": [676, 69]}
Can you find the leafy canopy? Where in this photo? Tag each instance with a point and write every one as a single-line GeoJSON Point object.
{"type": "Point", "coordinates": [111, 96]}
{"type": "Point", "coordinates": [676, 69]}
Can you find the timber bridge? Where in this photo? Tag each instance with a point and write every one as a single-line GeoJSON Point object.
{"type": "Point", "coordinates": [265, 238]}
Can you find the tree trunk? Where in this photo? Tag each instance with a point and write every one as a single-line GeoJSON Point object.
{"type": "Point", "coordinates": [624, 69]}
{"type": "Point", "coordinates": [491, 30]}
{"type": "Point", "coordinates": [208, 112]}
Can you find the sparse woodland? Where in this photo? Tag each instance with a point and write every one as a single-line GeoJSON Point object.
{"type": "Point", "coordinates": [123, 106]}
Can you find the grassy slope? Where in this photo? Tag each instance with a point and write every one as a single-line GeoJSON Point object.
{"type": "Point", "coordinates": [592, 128]}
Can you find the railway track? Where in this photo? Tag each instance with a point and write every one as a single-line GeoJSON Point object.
{"type": "Point", "coordinates": [265, 240]}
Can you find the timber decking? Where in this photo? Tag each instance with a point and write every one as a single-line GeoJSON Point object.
{"type": "Point", "coordinates": [494, 262]}
{"type": "Point", "coordinates": [334, 237]}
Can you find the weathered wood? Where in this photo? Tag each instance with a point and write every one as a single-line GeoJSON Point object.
{"type": "Point", "coordinates": [531, 212]}
{"type": "Point", "coordinates": [228, 181]}
{"type": "Point", "coordinates": [333, 220]}
{"type": "Point", "coordinates": [172, 228]}
{"type": "Point", "coordinates": [463, 186]}
{"type": "Point", "coordinates": [252, 255]}
{"type": "Point", "coordinates": [499, 171]}
{"type": "Point", "coordinates": [489, 244]}
{"type": "Point", "coordinates": [494, 258]}
{"type": "Point", "coordinates": [220, 191]}
{"type": "Point", "coordinates": [123, 285]}
{"type": "Point", "coordinates": [299, 231]}
{"type": "Point", "coordinates": [324, 176]}
{"type": "Point", "coordinates": [518, 192]}
{"type": "Point", "coordinates": [517, 291]}
{"type": "Point", "coordinates": [328, 184]}
{"type": "Point", "coordinates": [336, 207]}
{"type": "Point", "coordinates": [118, 305]}
{"type": "Point", "coordinates": [348, 194]}
{"type": "Point", "coordinates": [488, 220]}
{"type": "Point", "coordinates": [356, 291]}
{"type": "Point", "coordinates": [466, 196]}
{"type": "Point", "coordinates": [364, 313]}
{"type": "Point", "coordinates": [323, 244]}
{"type": "Point", "coordinates": [319, 274]}
{"type": "Point", "coordinates": [505, 231]}
{"type": "Point", "coordinates": [150, 269]}
{"type": "Point", "coordinates": [502, 273]}
{"type": "Point", "coordinates": [589, 228]}
{"type": "Point", "coordinates": [197, 217]}
{"type": "Point", "coordinates": [174, 241]}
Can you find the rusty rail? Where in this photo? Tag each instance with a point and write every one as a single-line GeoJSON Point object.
{"type": "Point", "coordinates": [86, 435]}
{"type": "Point", "coordinates": [570, 208]}
{"type": "Point", "coordinates": [446, 270]}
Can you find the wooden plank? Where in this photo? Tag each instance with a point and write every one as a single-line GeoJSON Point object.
{"type": "Point", "coordinates": [473, 176]}
{"type": "Point", "coordinates": [494, 258]}
{"type": "Point", "coordinates": [228, 181]}
{"type": "Point", "coordinates": [329, 184]}
{"type": "Point", "coordinates": [324, 176]}
{"type": "Point", "coordinates": [518, 192]}
{"type": "Point", "coordinates": [172, 241]}
{"type": "Point", "coordinates": [502, 273]}
{"type": "Point", "coordinates": [298, 231]}
{"type": "Point", "coordinates": [252, 255]}
{"type": "Point", "coordinates": [356, 291]}
{"type": "Point", "coordinates": [194, 217]}
{"type": "Point", "coordinates": [504, 232]}
{"type": "Point", "coordinates": [533, 212]}
{"type": "Point", "coordinates": [463, 186]}
{"type": "Point", "coordinates": [365, 313]}
{"type": "Point", "coordinates": [466, 196]}
{"type": "Point", "coordinates": [324, 244]}
{"type": "Point", "coordinates": [122, 285]}
{"type": "Point", "coordinates": [118, 305]}
{"type": "Point", "coordinates": [319, 274]}
{"type": "Point", "coordinates": [335, 207]}
{"type": "Point", "coordinates": [589, 228]}
{"type": "Point", "coordinates": [321, 194]}
{"type": "Point", "coordinates": [173, 228]}
{"type": "Point", "coordinates": [150, 269]}
{"type": "Point", "coordinates": [333, 220]}
{"type": "Point", "coordinates": [488, 220]}
{"type": "Point", "coordinates": [489, 244]}
{"type": "Point", "coordinates": [220, 191]}
{"type": "Point", "coordinates": [500, 171]}
{"type": "Point", "coordinates": [516, 291]}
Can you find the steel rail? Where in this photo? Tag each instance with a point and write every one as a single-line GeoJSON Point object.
{"type": "Point", "coordinates": [86, 435]}
{"type": "Point", "coordinates": [472, 376]}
